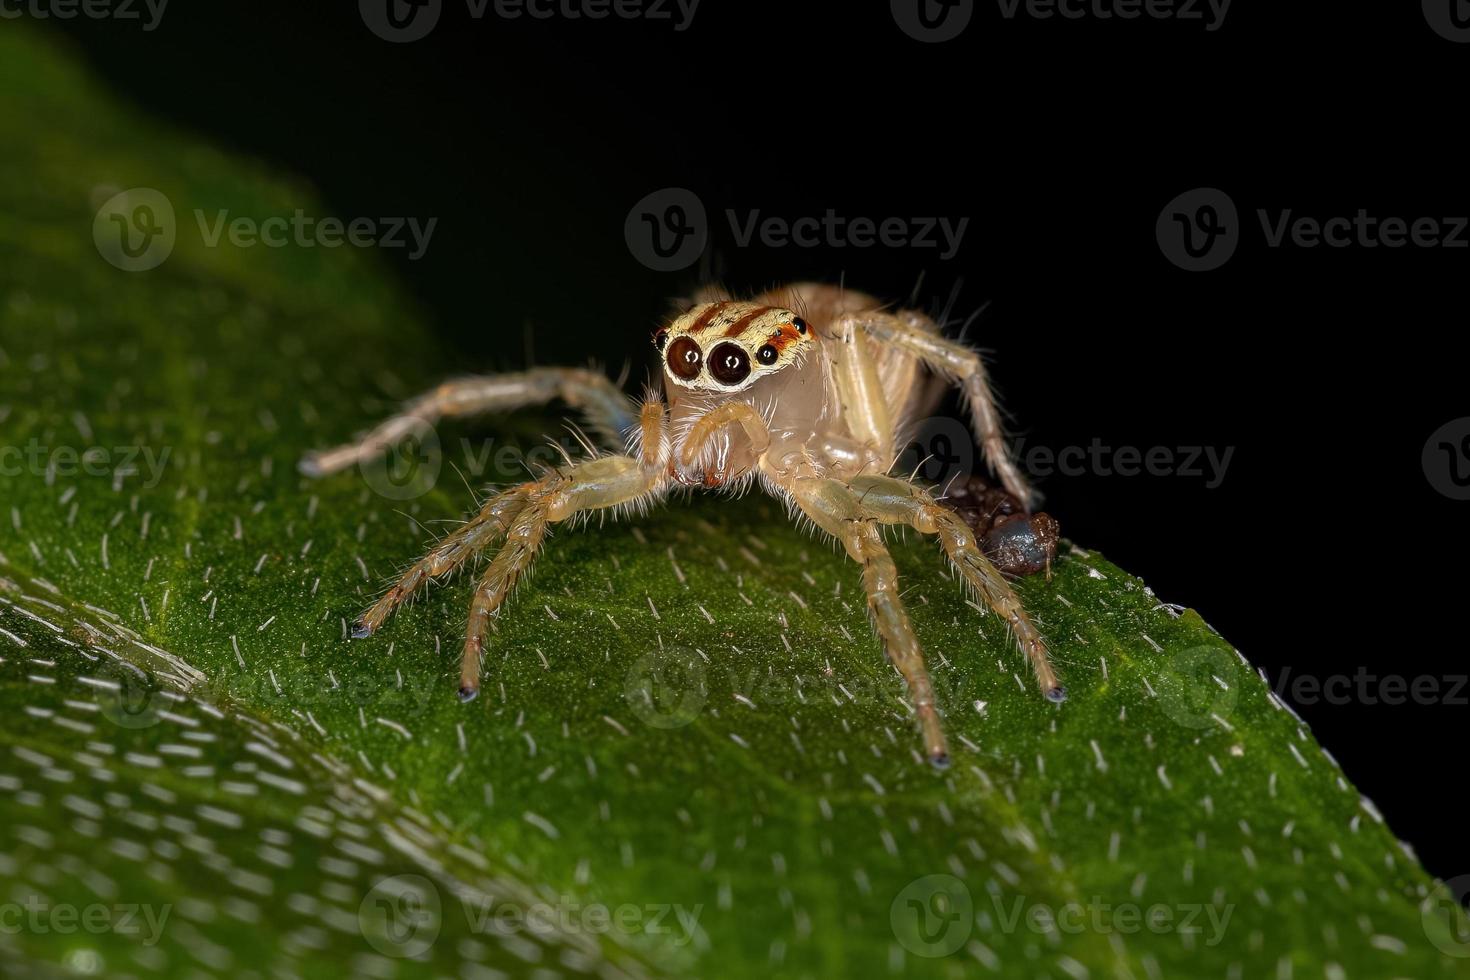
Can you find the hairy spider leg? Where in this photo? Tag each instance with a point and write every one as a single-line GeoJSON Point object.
{"type": "Point", "coordinates": [834, 508]}
{"type": "Point", "coordinates": [892, 500]}
{"type": "Point", "coordinates": [608, 411]}
{"type": "Point", "coordinates": [607, 482]}
{"type": "Point", "coordinates": [917, 334]}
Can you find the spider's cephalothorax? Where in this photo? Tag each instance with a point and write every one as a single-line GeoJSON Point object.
{"type": "Point", "coordinates": [805, 389]}
{"type": "Point", "coordinates": [742, 379]}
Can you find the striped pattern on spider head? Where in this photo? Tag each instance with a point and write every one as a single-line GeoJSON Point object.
{"type": "Point", "coordinates": [765, 356]}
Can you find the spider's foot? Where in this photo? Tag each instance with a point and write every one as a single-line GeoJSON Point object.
{"type": "Point", "coordinates": [467, 694]}
{"type": "Point", "coordinates": [939, 760]}
{"type": "Point", "coordinates": [361, 630]}
{"type": "Point", "coordinates": [309, 465]}
{"type": "Point", "coordinates": [1057, 694]}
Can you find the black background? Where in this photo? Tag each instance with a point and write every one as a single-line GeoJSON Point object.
{"type": "Point", "coordinates": [1324, 549]}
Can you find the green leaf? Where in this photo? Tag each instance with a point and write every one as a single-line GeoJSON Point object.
{"type": "Point", "coordinates": [689, 758]}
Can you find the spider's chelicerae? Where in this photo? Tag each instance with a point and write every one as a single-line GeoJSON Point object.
{"type": "Point", "coordinates": [803, 390]}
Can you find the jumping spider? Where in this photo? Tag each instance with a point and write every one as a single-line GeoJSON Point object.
{"type": "Point", "coordinates": [807, 404]}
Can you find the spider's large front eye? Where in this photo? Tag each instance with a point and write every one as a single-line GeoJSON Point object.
{"type": "Point", "coordinates": [729, 364]}
{"type": "Point", "coordinates": [684, 358]}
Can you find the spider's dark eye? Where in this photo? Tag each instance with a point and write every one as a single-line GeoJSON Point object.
{"type": "Point", "coordinates": [767, 354]}
{"type": "Point", "coordinates": [729, 364]}
{"type": "Point", "coordinates": [661, 338]}
{"type": "Point", "coordinates": [799, 324]}
{"type": "Point", "coordinates": [684, 358]}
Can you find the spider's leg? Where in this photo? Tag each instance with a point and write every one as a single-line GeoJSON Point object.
{"type": "Point", "coordinates": [891, 500]}
{"type": "Point", "coordinates": [609, 481]}
{"type": "Point", "coordinates": [864, 402]}
{"type": "Point", "coordinates": [474, 536]}
{"type": "Point", "coordinates": [832, 507]}
{"type": "Point", "coordinates": [916, 334]}
{"type": "Point", "coordinates": [608, 411]}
